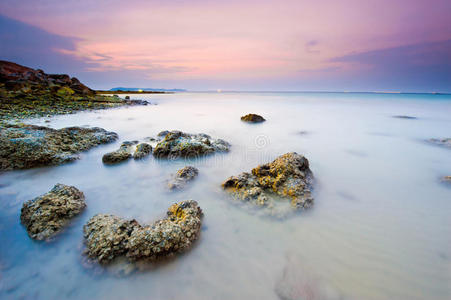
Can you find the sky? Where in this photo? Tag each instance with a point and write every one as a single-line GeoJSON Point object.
{"type": "Point", "coordinates": [246, 45]}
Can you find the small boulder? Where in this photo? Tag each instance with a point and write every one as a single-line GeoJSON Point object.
{"type": "Point", "coordinates": [177, 144]}
{"type": "Point", "coordinates": [441, 142]}
{"type": "Point", "coordinates": [182, 177]}
{"type": "Point", "coordinates": [120, 155]}
{"type": "Point", "coordinates": [252, 118]}
{"type": "Point", "coordinates": [108, 237]}
{"type": "Point", "coordinates": [287, 177]}
{"type": "Point", "coordinates": [405, 117]}
{"type": "Point", "coordinates": [142, 150]}
{"type": "Point", "coordinates": [46, 215]}
{"type": "Point", "coordinates": [446, 180]}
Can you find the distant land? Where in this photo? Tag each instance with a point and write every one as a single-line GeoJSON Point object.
{"type": "Point", "coordinates": [146, 89]}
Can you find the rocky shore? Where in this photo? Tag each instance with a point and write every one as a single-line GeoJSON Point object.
{"type": "Point", "coordinates": [26, 92]}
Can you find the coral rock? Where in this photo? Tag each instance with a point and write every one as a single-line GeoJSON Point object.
{"type": "Point", "coordinates": [182, 177]}
{"type": "Point", "coordinates": [253, 118]}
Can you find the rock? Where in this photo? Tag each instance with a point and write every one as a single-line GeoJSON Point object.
{"type": "Point", "coordinates": [27, 146]}
{"type": "Point", "coordinates": [287, 177]}
{"type": "Point", "coordinates": [16, 77]}
{"type": "Point", "coordinates": [136, 102]}
{"type": "Point", "coordinates": [177, 144]}
{"type": "Point", "coordinates": [108, 237]}
{"type": "Point", "coordinates": [182, 177]}
{"type": "Point", "coordinates": [296, 283]}
{"type": "Point", "coordinates": [127, 97]}
{"type": "Point", "coordinates": [120, 155]}
{"type": "Point", "coordinates": [446, 180]}
{"type": "Point", "coordinates": [46, 215]}
{"type": "Point", "coordinates": [253, 118]}
{"type": "Point", "coordinates": [142, 150]}
{"type": "Point", "coordinates": [441, 142]}
{"type": "Point", "coordinates": [405, 117]}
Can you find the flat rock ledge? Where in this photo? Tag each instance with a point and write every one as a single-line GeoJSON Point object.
{"type": "Point", "coordinates": [108, 237]}
{"type": "Point", "coordinates": [441, 142]}
{"type": "Point", "coordinates": [252, 118]}
{"type": "Point", "coordinates": [287, 177]}
{"type": "Point", "coordinates": [177, 144]}
{"type": "Point", "coordinates": [26, 146]}
{"type": "Point", "coordinates": [48, 214]}
{"type": "Point", "coordinates": [183, 177]}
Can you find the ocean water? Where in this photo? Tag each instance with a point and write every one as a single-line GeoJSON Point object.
{"type": "Point", "coordinates": [380, 227]}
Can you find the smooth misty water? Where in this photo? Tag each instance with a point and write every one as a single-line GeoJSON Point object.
{"type": "Point", "coordinates": [380, 227]}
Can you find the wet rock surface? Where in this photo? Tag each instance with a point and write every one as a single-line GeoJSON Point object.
{"type": "Point", "coordinates": [142, 150]}
{"type": "Point", "coordinates": [176, 144]}
{"type": "Point", "coordinates": [297, 283]}
{"type": "Point", "coordinates": [183, 177]}
{"type": "Point", "coordinates": [123, 153]}
{"type": "Point", "coordinates": [108, 237]}
{"type": "Point", "coordinates": [27, 146]}
{"type": "Point", "coordinates": [252, 118]}
{"type": "Point", "coordinates": [441, 142]}
{"type": "Point", "coordinates": [287, 177]}
{"type": "Point", "coordinates": [48, 214]}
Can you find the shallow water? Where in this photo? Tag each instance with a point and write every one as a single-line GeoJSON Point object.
{"type": "Point", "coordinates": [379, 229]}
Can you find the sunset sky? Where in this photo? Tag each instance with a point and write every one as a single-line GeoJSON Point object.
{"type": "Point", "coordinates": [322, 45]}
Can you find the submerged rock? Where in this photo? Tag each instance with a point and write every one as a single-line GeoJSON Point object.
{"type": "Point", "coordinates": [182, 177]}
{"type": "Point", "coordinates": [252, 118]}
{"type": "Point", "coordinates": [441, 142]}
{"type": "Point", "coordinates": [446, 180]}
{"type": "Point", "coordinates": [120, 155]}
{"type": "Point", "coordinates": [287, 177]}
{"type": "Point", "coordinates": [108, 236]}
{"type": "Point", "coordinates": [46, 215]}
{"type": "Point", "coordinates": [27, 146]}
{"type": "Point", "coordinates": [142, 150]}
{"type": "Point", "coordinates": [296, 283]}
{"type": "Point", "coordinates": [178, 144]}
{"type": "Point", "coordinates": [405, 117]}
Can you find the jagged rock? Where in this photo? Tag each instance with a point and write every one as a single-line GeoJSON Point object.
{"type": "Point", "coordinates": [120, 155]}
{"type": "Point", "coordinates": [16, 77]}
{"type": "Point", "coordinates": [46, 215]}
{"type": "Point", "coordinates": [182, 177]}
{"type": "Point", "coordinates": [287, 177]}
{"type": "Point", "coordinates": [178, 144]}
{"type": "Point", "coordinates": [108, 236]}
{"type": "Point", "coordinates": [27, 146]}
{"type": "Point", "coordinates": [252, 118]}
{"type": "Point", "coordinates": [142, 150]}
{"type": "Point", "coordinates": [296, 283]}
{"type": "Point", "coordinates": [441, 142]}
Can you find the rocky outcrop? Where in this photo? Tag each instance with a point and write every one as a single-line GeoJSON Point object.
{"type": "Point", "coordinates": [16, 77]}
{"type": "Point", "coordinates": [176, 144]}
{"type": "Point", "coordinates": [108, 236]}
{"type": "Point", "coordinates": [287, 177]}
{"type": "Point", "coordinates": [27, 146]}
{"type": "Point", "coordinates": [441, 142]}
{"type": "Point", "coordinates": [142, 150]}
{"type": "Point", "coordinates": [183, 177]}
{"type": "Point", "coordinates": [48, 214]}
{"type": "Point", "coordinates": [253, 118]}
